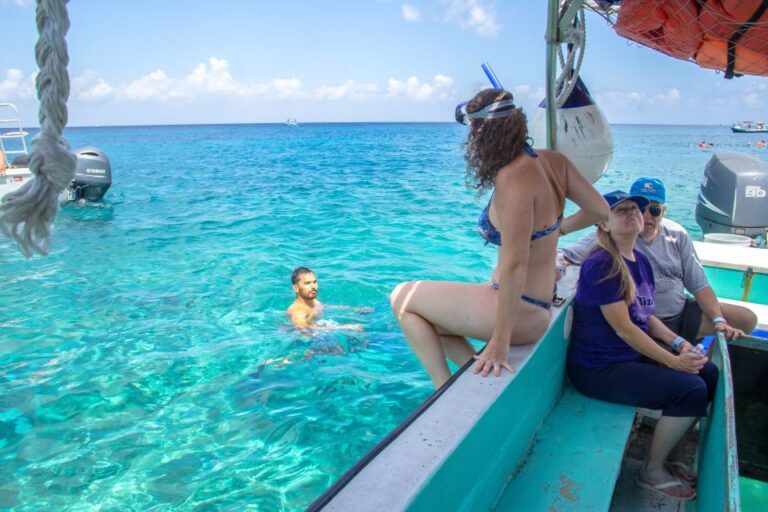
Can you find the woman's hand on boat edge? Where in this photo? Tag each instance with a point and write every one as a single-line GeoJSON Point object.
{"type": "Point", "coordinates": [493, 358]}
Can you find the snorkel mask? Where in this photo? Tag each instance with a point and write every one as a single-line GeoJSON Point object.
{"type": "Point", "coordinates": [496, 110]}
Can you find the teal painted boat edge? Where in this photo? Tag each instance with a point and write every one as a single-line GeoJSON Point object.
{"type": "Point", "coordinates": [729, 283]}
{"type": "Point", "coordinates": [728, 266]}
{"type": "Point", "coordinates": [751, 342]}
{"type": "Point", "coordinates": [498, 444]}
{"type": "Point", "coordinates": [718, 483]}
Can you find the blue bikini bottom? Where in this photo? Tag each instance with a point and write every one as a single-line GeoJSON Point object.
{"type": "Point", "coordinates": [530, 300]}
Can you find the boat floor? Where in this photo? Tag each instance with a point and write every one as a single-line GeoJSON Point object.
{"type": "Point", "coordinates": [627, 496]}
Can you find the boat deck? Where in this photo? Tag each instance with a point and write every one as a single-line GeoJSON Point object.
{"type": "Point", "coordinates": [732, 257]}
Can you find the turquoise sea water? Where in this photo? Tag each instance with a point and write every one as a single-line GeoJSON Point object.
{"type": "Point", "coordinates": [132, 359]}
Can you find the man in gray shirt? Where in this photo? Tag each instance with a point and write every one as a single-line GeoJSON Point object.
{"type": "Point", "coordinates": [676, 268]}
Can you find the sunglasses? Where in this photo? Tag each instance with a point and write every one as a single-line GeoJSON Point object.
{"type": "Point", "coordinates": [655, 211]}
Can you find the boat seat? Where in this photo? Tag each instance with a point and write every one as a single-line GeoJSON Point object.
{"type": "Point", "coordinates": [574, 459]}
{"type": "Point", "coordinates": [761, 310]}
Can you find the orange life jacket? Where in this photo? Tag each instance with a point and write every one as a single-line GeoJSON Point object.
{"type": "Point", "coordinates": [670, 26]}
{"type": "Point", "coordinates": [701, 30]}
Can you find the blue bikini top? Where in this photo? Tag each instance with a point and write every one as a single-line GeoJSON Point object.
{"type": "Point", "coordinates": [489, 232]}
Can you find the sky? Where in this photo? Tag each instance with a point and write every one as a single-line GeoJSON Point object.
{"type": "Point", "coordinates": [147, 62]}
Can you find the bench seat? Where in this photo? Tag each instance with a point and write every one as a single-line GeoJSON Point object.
{"type": "Point", "coordinates": [574, 459]}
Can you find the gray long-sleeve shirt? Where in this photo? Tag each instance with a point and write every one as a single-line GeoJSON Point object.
{"type": "Point", "coordinates": [676, 267]}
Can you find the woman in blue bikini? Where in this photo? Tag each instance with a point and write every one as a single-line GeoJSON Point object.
{"type": "Point", "coordinates": [526, 212]}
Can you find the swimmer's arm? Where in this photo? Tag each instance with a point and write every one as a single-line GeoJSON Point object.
{"type": "Point", "coordinates": [352, 327]}
{"type": "Point", "coordinates": [300, 319]}
{"type": "Point", "coordinates": [356, 309]}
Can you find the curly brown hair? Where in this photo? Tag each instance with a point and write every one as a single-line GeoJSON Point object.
{"type": "Point", "coordinates": [492, 143]}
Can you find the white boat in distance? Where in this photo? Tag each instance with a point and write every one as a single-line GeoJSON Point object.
{"type": "Point", "coordinates": [292, 121]}
{"type": "Point", "coordinates": [93, 173]}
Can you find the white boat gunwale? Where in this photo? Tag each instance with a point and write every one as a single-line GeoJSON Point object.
{"type": "Point", "coordinates": [732, 257]}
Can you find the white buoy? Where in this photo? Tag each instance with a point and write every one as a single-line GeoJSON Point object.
{"type": "Point", "coordinates": [583, 132]}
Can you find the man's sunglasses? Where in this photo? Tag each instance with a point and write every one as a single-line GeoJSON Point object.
{"type": "Point", "coordinates": [655, 211]}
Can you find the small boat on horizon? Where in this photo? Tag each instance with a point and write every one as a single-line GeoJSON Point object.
{"type": "Point", "coordinates": [292, 121]}
{"type": "Point", "coordinates": [750, 127]}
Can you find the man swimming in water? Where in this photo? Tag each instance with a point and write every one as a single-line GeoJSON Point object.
{"type": "Point", "coordinates": [306, 309]}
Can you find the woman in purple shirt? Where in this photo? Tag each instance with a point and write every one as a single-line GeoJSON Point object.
{"type": "Point", "coordinates": [613, 357]}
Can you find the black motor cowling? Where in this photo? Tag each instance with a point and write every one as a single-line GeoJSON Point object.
{"type": "Point", "coordinates": [93, 175]}
{"type": "Point", "coordinates": [734, 195]}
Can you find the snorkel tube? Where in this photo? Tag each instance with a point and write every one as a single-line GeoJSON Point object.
{"type": "Point", "coordinates": [491, 75]}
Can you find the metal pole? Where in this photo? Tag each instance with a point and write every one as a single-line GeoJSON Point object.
{"type": "Point", "coordinates": [552, 42]}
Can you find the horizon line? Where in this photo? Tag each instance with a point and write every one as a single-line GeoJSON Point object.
{"type": "Point", "coordinates": [279, 123]}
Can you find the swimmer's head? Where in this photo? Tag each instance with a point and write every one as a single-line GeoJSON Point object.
{"type": "Point", "coordinates": [304, 283]}
{"type": "Point", "coordinates": [298, 272]}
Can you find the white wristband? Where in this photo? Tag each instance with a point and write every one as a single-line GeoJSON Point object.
{"type": "Point", "coordinates": [677, 342]}
{"type": "Point", "coordinates": [718, 320]}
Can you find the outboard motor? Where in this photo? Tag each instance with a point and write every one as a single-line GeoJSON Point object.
{"type": "Point", "coordinates": [93, 176]}
{"type": "Point", "coordinates": [734, 195]}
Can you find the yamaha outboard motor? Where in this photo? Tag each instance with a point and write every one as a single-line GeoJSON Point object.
{"type": "Point", "coordinates": [93, 176]}
{"type": "Point", "coordinates": [734, 195]}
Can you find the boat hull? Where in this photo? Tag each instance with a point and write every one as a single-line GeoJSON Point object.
{"type": "Point", "coordinates": [749, 359]}
{"type": "Point", "coordinates": [737, 129]}
{"type": "Point", "coordinates": [13, 179]}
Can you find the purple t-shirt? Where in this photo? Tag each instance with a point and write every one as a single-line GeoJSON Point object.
{"type": "Point", "coordinates": [594, 343]}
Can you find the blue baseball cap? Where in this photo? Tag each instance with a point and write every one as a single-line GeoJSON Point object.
{"type": "Point", "coordinates": [617, 197]}
{"type": "Point", "coordinates": [650, 188]}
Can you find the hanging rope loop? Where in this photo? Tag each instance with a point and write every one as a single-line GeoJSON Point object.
{"type": "Point", "coordinates": [27, 214]}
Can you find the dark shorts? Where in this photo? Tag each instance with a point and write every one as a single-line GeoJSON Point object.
{"type": "Point", "coordinates": [646, 384]}
{"type": "Point", "coordinates": [687, 322]}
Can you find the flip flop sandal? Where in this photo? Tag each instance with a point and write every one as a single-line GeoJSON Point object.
{"type": "Point", "coordinates": [659, 488]}
{"type": "Point", "coordinates": [682, 472]}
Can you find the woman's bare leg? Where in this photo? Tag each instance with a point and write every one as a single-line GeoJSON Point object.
{"type": "Point", "coordinates": [457, 348]}
{"type": "Point", "coordinates": [669, 431]}
{"type": "Point", "coordinates": [427, 310]}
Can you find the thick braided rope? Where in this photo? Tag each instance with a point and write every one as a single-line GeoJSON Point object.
{"type": "Point", "coordinates": [27, 214]}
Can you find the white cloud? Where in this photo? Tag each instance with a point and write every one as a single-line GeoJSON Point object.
{"type": "Point", "coordinates": [473, 15]}
{"type": "Point", "coordinates": [349, 89]}
{"type": "Point", "coordinates": [410, 13]}
{"type": "Point", "coordinates": [524, 93]}
{"type": "Point", "coordinates": [15, 87]}
{"type": "Point", "coordinates": [620, 97]}
{"type": "Point", "coordinates": [413, 89]}
{"type": "Point", "coordinates": [625, 98]}
{"type": "Point", "coordinates": [286, 88]}
{"type": "Point", "coordinates": [156, 85]}
{"type": "Point", "coordinates": [753, 99]}
{"type": "Point", "coordinates": [213, 79]}
{"type": "Point", "coordinates": [90, 87]}
{"type": "Point", "coordinates": [671, 97]}
{"type": "Point", "coordinates": [20, 3]}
